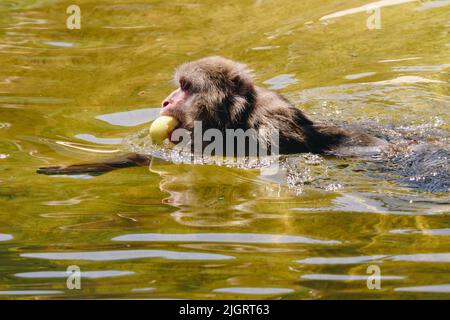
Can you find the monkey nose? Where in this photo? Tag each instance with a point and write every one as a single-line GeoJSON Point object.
{"type": "Point", "coordinates": [165, 103]}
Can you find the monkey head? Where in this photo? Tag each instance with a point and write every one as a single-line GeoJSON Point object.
{"type": "Point", "coordinates": [216, 91]}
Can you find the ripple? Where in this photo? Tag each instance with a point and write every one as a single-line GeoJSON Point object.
{"type": "Point", "coordinates": [83, 147]}
{"type": "Point", "coordinates": [359, 75]}
{"type": "Point", "coordinates": [126, 255]}
{"type": "Point", "coordinates": [253, 290]}
{"type": "Point", "coordinates": [125, 7]}
{"type": "Point", "coordinates": [429, 232]}
{"type": "Point", "coordinates": [420, 68]}
{"type": "Point", "coordinates": [341, 260]}
{"type": "Point", "coordinates": [433, 4]}
{"type": "Point", "coordinates": [94, 139]}
{"type": "Point", "coordinates": [222, 237]}
{"type": "Point", "coordinates": [72, 176]}
{"type": "Point", "coordinates": [130, 118]}
{"type": "Point", "coordinates": [68, 202]}
{"type": "Point", "coordinates": [126, 27]}
{"type": "Point", "coordinates": [406, 79]}
{"type": "Point", "coordinates": [445, 288]}
{"type": "Point", "coordinates": [353, 202]}
{"type": "Point", "coordinates": [84, 274]}
{"type": "Point", "coordinates": [281, 81]}
{"type": "Point", "coordinates": [33, 100]}
{"type": "Point", "coordinates": [423, 257]}
{"type": "Point", "coordinates": [265, 48]}
{"type": "Point", "coordinates": [364, 8]}
{"type": "Point", "coordinates": [141, 144]}
{"type": "Point", "coordinates": [345, 277]}
{"type": "Point", "coordinates": [61, 44]}
{"type": "Point", "coordinates": [399, 59]}
{"type": "Point", "coordinates": [30, 292]}
{"type": "Point", "coordinates": [142, 289]}
{"type": "Point", "coordinates": [5, 237]}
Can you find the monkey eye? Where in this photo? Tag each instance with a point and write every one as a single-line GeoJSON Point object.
{"type": "Point", "coordinates": [185, 85]}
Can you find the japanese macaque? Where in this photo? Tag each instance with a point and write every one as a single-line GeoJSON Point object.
{"type": "Point", "coordinates": [222, 95]}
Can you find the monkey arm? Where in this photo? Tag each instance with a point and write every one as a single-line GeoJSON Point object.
{"type": "Point", "coordinates": [130, 160]}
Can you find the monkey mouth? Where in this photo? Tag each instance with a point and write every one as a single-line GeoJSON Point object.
{"type": "Point", "coordinates": [167, 112]}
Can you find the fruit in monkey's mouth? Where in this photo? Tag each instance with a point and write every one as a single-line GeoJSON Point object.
{"type": "Point", "coordinates": [162, 127]}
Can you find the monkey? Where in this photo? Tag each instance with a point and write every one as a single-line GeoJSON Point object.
{"type": "Point", "coordinates": [221, 93]}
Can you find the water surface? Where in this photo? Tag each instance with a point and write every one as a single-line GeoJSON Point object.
{"type": "Point", "coordinates": [208, 231]}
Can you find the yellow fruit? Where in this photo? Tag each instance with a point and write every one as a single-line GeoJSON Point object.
{"type": "Point", "coordinates": [162, 127]}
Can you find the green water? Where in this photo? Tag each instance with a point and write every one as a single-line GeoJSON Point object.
{"type": "Point", "coordinates": [209, 232]}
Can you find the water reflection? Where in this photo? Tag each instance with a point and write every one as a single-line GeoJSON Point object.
{"type": "Point", "coordinates": [64, 274]}
{"type": "Point", "coordinates": [421, 68]}
{"type": "Point", "coordinates": [425, 257]}
{"type": "Point", "coordinates": [130, 118]}
{"type": "Point", "coordinates": [142, 289]}
{"type": "Point", "coordinates": [365, 8]}
{"type": "Point", "coordinates": [359, 75]}
{"type": "Point", "coordinates": [247, 290]}
{"type": "Point", "coordinates": [281, 81]}
{"type": "Point", "coordinates": [224, 237]}
{"type": "Point", "coordinates": [208, 231]}
{"type": "Point", "coordinates": [433, 4]}
{"type": "Point", "coordinates": [5, 237]}
{"type": "Point", "coordinates": [428, 232]}
{"type": "Point", "coordinates": [345, 277]}
{"type": "Point", "coordinates": [27, 100]}
{"type": "Point", "coordinates": [440, 288]}
{"type": "Point", "coordinates": [30, 292]}
{"type": "Point", "coordinates": [406, 80]}
{"type": "Point", "coordinates": [207, 195]}
{"type": "Point", "coordinates": [342, 260]}
{"type": "Point", "coordinates": [126, 255]}
{"type": "Point", "coordinates": [399, 59]}
{"type": "Point", "coordinates": [94, 139]}
{"type": "Point", "coordinates": [84, 147]}
{"type": "Point", "coordinates": [62, 44]}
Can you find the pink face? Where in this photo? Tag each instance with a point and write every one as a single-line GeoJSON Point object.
{"type": "Point", "coordinates": [176, 103]}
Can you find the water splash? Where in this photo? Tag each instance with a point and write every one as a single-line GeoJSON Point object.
{"type": "Point", "coordinates": [418, 156]}
{"type": "Point", "coordinates": [141, 144]}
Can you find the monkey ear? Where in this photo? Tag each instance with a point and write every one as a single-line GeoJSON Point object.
{"type": "Point", "coordinates": [242, 84]}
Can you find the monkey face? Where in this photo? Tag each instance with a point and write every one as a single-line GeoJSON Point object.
{"type": "Point", "coordinates": [176, 105]}
{"type": "Point", "coordinates": [214, 90]}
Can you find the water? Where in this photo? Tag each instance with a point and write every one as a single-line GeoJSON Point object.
{"type": "Point", "coordinates": [223, 230]}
